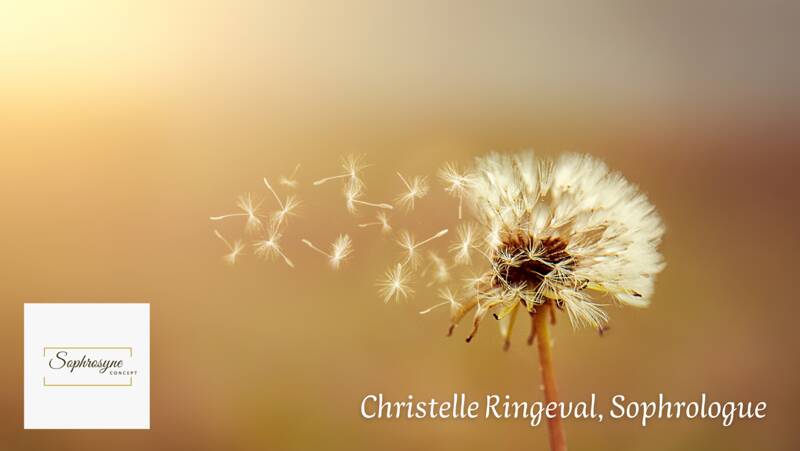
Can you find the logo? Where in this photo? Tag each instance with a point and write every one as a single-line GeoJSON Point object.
{"type": "Point", "coordinates": [87, 366]}
{"type": "Point", "coordinates": [97, 366]}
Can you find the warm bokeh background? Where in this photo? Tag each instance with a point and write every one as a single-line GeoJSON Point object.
{"type": "Point", "coordinates": [124, 125]}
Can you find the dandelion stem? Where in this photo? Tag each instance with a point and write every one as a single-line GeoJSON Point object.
{"type": "Point", "coordinates": [543, 340]}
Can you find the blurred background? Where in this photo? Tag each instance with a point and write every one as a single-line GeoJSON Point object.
{"type": "Point", "coordinates": [125, 125]}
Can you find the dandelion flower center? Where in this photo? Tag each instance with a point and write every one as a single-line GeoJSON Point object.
{"type": "Point", "coordinates": [523, 261]}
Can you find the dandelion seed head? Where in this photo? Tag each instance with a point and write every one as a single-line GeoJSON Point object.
{"type": "Point", "coordinates": [566, 231]}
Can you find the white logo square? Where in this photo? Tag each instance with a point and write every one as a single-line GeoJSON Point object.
{"type": "Point", "coordinates": [87, 366]}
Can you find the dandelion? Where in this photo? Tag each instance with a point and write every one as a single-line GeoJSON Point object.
{"type": "Point", "coordinates": [456, 183]}
{"type": "Point", "coordinates": [569, 231]}
{"type": "Point", "coordinates": [353, 195]}
{"type": "Point", "coordinates": [409, 245]}
{"type": "Point", "coordinates": [269, 248]}
{"type": "Point", "coordinates": [417, 189]}
{"type": "Point", "coordinates": [290, 181]}
{"type": "Point", "coordinates": [465, 244]}
{"type": "Point", "coordinates": [395, 284]}
{"type": "Point", "coordinates": [287, 207]}
{"type": "Point", "coordinates": [352, 165]}
{"type": "Point", "coordinates": [340, 249]}
{"type": "Point", "coordinates": [382, 220]}
{"type": "Point", "coordinates": [235, 249]}
{"type": "Point", "coordinates": [249, 210]}
{"type": "Point", "coordinates": [559, 236]}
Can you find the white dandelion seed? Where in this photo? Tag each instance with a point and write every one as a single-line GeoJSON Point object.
{"type": "Point", "coordinates": [340, 249]}
{"type": "Point", "coordinates": [440, 271]}
{"type": "Point", "coordinates": [290, 181]}
{"type": "Point", "coordinates": [287, 207]}
{"type": "Point", "coordinates": [353, 195]}
{"type": "Point", "coordinates": [474, 283]}
{"type": "Point", "coordinates": [395, 284]}
{"type": "Point", "coordinates": [450, 299]}
{"type": "Point", "coordinates": [249, 210]}
{"type": "Point", "coordinates": [352, 166]}
{"type": "Point", "coordinates": [269, 248]}
{"type": "Point", "coordinates": [465, 244]}
{"type": "Point", "coordinates": [409, 245]}
{"type": "Point", "coordinates": [235, 249]}
{"type": "Point", "coordinates": [416, 189]}
{"type": "Point", "coordinates": [456, 183]}
{"type": "Point", "coordinates": [382, 220]}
